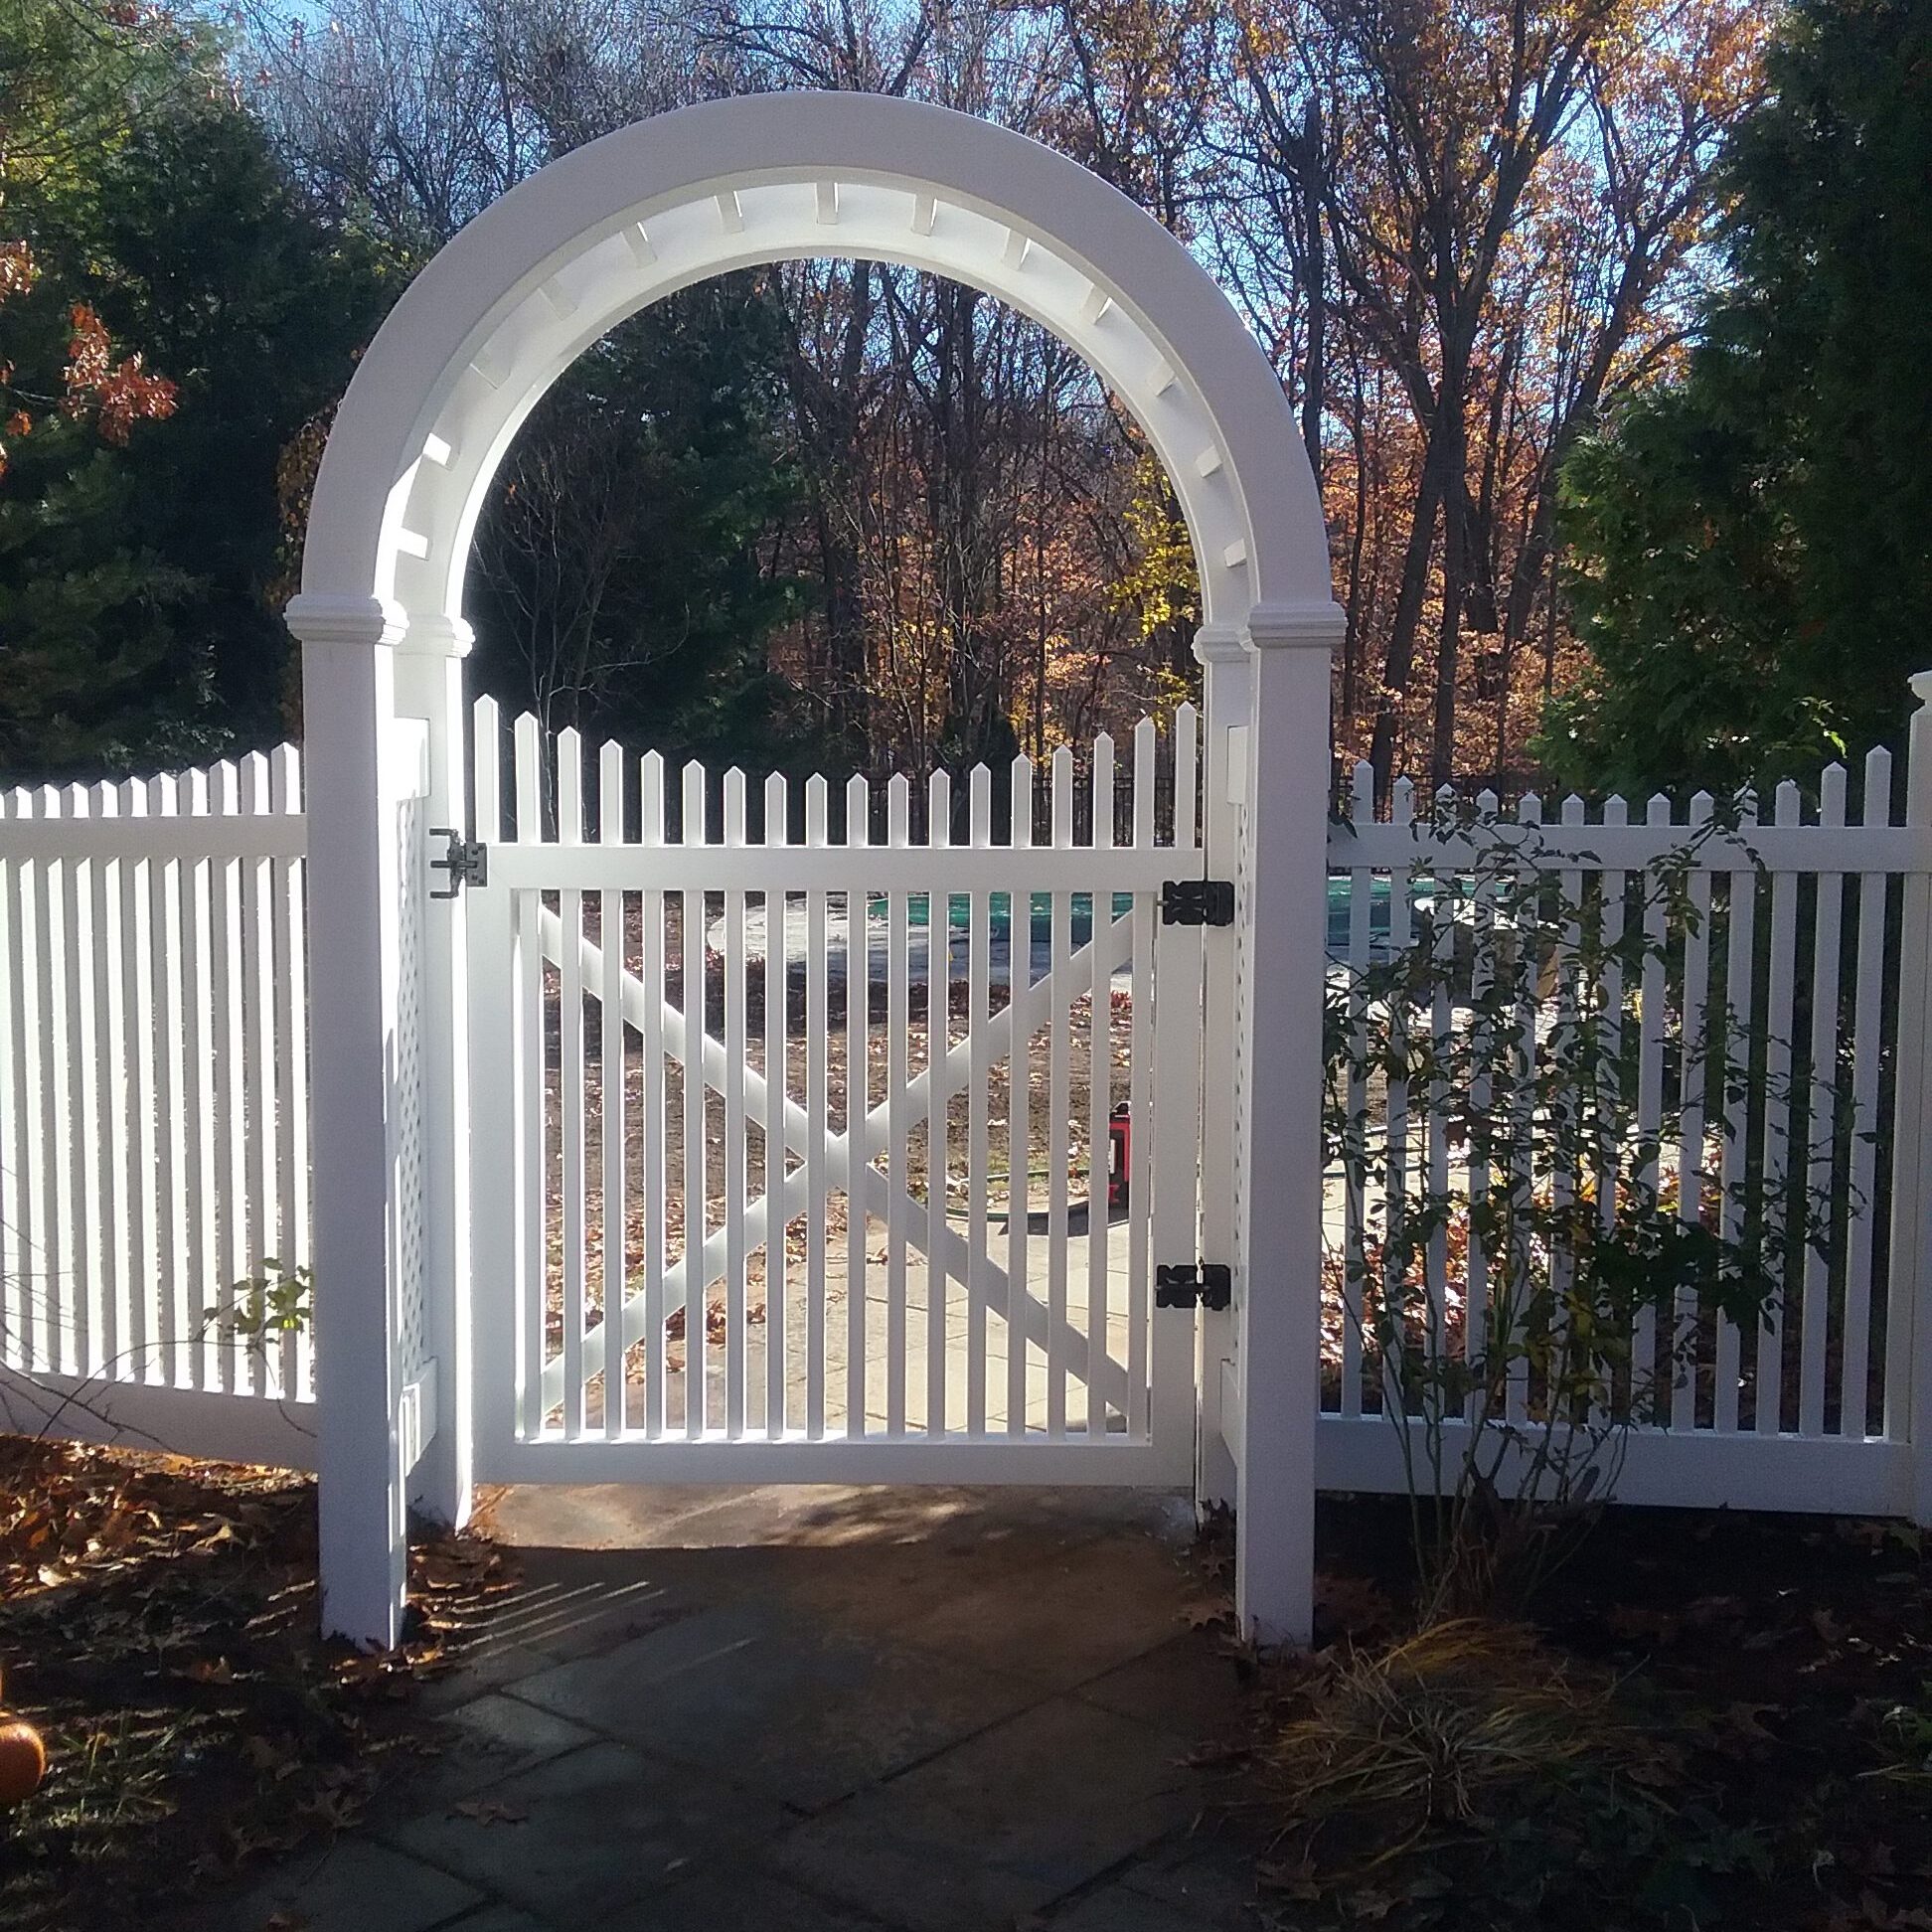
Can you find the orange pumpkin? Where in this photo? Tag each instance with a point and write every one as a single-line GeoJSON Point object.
{"type": "Point", "coordinates": [23, 1759]}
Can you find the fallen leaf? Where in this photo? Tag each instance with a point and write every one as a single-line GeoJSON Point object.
{"type": "Point", "coordinates": [490, 1811]}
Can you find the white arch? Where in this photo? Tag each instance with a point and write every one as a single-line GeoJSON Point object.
{"type": "Point", "coordinates": [465, 356]}
{"type": "Point", "coordinates": [561, 259]}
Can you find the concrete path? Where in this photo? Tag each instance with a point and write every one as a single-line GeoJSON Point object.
{"type": "Point", "coordinates": [812, 1710]}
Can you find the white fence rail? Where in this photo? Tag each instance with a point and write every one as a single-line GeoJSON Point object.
{"type": "Point", "coordinates": [153, 1105]}
{"type": "Point", "coordinates": [154, 1068]}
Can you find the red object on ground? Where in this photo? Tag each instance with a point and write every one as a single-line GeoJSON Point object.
{"type": "Point", "coordinates": [1121, 1147]}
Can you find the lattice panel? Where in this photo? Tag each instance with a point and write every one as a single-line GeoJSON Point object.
{"type": "Point", "coordinates": [408, 1167]}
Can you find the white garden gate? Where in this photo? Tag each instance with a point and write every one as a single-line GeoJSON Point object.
{"type": "Point", "coordinates": [793, 1117]}
{"type": "Point", "coordinates": [469, 350]}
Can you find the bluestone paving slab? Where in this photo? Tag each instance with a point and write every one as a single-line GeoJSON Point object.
{"type": "Point", "coordinates": [354, 1885]}
{"type": "Point", "coordinates": [497, 1918]}
{"type": "Point", "coordinates": [1188, 1684]}
{"type": "Point", "coordinates": [590, 1832]}
{"type": "Point", "coordinates": [740, 1901]}
{"type": "Point", "coordinates": [765, 1694]}
{"type": "Point", "coordinates": [1207, 1878]}
{"type": "Point", "coordinates": [1116, 1908]}
{"type": "Point", "coordinates": [1066, 1621]}
{"type": "Point", "coordinates": [487, 1740]}
{"type": "Point", "coordinates": [1006, 1823]}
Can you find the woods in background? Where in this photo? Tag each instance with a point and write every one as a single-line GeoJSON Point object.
{"type": "Point", "coordinates": [841, 513]}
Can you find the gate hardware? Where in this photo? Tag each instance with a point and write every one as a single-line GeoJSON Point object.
{"type": "Point", "coordinates": [1206, 1284]}
{"type": "Point", "coordinates": [466, 860]}
{"type": "Point", "coordinates": [1198, 902]}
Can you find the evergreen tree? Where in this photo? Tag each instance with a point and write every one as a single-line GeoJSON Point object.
{"type": "Point", "coordinates": [1752, 545]}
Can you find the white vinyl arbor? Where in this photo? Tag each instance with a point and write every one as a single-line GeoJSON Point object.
{"type": "Point", "coordinates": [472, 346]}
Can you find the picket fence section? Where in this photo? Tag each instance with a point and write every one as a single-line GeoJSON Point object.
{"type": "Point", "coordinates": [153, 1105]}
{"type": "Point", "coordinates": [812, 1095]}
{"type": "Point", "coordinates": [1790, 932]}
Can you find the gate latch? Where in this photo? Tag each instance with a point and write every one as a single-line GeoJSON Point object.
{"type": "Point", "coordinates": [1202, 1284]}
{"type": "Point", "coordinates": [466, 860]}
{"type": "Point", "coordinates": [1198, 902]}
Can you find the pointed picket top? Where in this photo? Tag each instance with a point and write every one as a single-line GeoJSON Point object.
{"type": "Point", "coordinates": [691, 825]}
{"type": "Point", "coordinates": [1874, 807]}
{"type": "Point", "coordinates": [1657, 811]}
{"type": "Point", "coordinates": [650, 775]}
{"type": "Point", "coordinates": [253, 772]}
{"type": "Point", "coordinates": [1487, 803]}
{"type": "Point", "coordinates": [1022, 800]}
{"type": "Point", "coordinates": [939, 808]}
{"type": "Point", "coordinates": [817, 809]}
{"type": "Point", "coordinates": [530, 814]}
{"type": "Point", "coordinates": [1146, 752]}
{"type": "Point", "coordinates": [77, 800]}
{"type": "Point", "coordinates": [734, 806]}
{"type": "Point", "coordinates": [1702, 807]}
{"type": "Point", "coordinates": [1362, 792]}
{"type": "Point", "coordinates": [978, 804]}
{"type": "Point", "coordinates": [1789, 805]}
{"type": "Point", "coordinates": [1401, 802]}
{"type": "Point", "coordinates": [777, 810]}
{"type": "Point", "coordinates": [857, 825]}
{"type": "Point", "coordinates": [225, 788]}
{"type": "Point", "coordinates": [1831, 796]}
{"type": "Point", "coordinates": [569, 786]}
{"type": "Point", "coordinates": [1104, 791]}
{"type": "Point", "coordinates": [1575, 810]}
{"type": "Point", "coordinates": [899, 810]}
{"type": "Point", "coordinates": [610, 792]}
{"type": "Point", "coordinates": [1529, 809]}
{"type": "Point", "coordinates": [1062, 804]}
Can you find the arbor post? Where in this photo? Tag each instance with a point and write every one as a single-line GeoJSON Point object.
{"type": "Point", "coordinates": [349, 715]}
{"type": "Point", "coordinates": [1279, 1104]}
{"type": "Point", "coordinates": [430, 685]}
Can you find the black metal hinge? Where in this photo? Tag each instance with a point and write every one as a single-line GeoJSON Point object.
{"type": "Point", "coordinates": [466, 860]}
{"type": "Point", "coordinates": [1198, 902]}
{"type": "Point", "coordinates": [1201, 1284]}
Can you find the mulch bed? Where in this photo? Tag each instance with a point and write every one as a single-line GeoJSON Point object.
{"type": "Point", "coordinates": [158, 1623]}
{"type": "Point", "coordinates": [1770, 1682]}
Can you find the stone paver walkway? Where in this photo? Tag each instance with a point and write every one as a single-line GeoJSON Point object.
{"type": "Point", "coordinates": [811, 1711]}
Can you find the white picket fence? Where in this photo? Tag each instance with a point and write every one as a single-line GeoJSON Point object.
{"type": "Point", "coordinates": [1804, 928]}
{"type": "Point", "coordinates": [153, 1106]}
{"type": "Point", "coordinates": [153, 1110]}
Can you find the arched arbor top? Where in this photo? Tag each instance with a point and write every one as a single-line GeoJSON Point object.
{"type": "Point", "coordinates": [598, 235]}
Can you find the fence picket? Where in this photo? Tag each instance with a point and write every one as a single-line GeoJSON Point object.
{"type": "Point", "coordinates": [697, 1108]}
{"type": "Point", "coordinates": [938, 1107]}
{"type": "Point", "coordinates": [1020, 1055]}
{"type": "Point", "coordinates": [1855, 1401]}
{"type": "Point", "coordinates": [1692, 1120]}
{"type": "Point", "coordinates": [1781, 984]}
{"type": "Point", "coordinates": [1060, 1082]}
{"type": "Point", "coordinates": [777, 1092]}
{"type": "Point", "coordinates": [858, 1100]}
{"type": "Point", "coordinates": [817, 1022]}
{"type": "Point", "coordinates": [653, 1099]}
{"type": "Point", "coordinates": [572, 1176]}
{"type": "Point", "coordinates": [612, 1081]}
{"type": "Point", "coordinates": [1821, 1108]}
{"type": "Point", "coordinates": [1650, 1110]}
{"type": "Point", "coordinates": [979, 1184]}
{"type": "Point", "coordinates": [898, 817]}
{"type": "Point", "coordinates": [1741, 996]}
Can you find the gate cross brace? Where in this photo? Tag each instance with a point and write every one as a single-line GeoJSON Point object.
{"type": "Point", "coordinates": [1032, 1004]}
